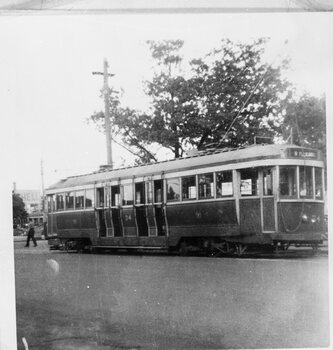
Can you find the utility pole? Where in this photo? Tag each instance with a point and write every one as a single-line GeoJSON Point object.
{"type": "Point", "coordinates": [106, 92]}
{"type": "Point", "coordinates": [44, 202]}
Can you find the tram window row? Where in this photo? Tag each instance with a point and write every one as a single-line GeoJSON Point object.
{"type": "Point", "coordinates": [295, 182]}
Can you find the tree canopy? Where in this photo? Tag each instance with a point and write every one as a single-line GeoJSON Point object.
{"type": "Point", "coordinates": [230, 96]}
{"type": "Point", "coordinates": [19, 212]}
{"type": "Point", "coordinates": [305, 122]}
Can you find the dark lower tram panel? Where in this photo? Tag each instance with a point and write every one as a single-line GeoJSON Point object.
{"type": "Point", "coordinates": [199, 225]}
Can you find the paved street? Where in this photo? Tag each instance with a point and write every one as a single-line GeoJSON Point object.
{"type": "Point", "coordinates": [118, 301]}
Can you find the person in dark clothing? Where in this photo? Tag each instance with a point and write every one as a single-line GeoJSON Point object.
{"type": "Point", "coordinates": [31, 235]}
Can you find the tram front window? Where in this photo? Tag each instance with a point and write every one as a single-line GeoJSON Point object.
{"type": "Point", "coordinates": [305, 182]}
{"type": "Point", "coordinates": [267, 182]}
{"type": "Point", "coordinates": [288, 183]}
{"type": "Point", "coordinates": [318, 183]}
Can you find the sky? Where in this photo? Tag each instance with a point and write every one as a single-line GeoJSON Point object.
{"type": "Point", "coordinates": [48, 90]}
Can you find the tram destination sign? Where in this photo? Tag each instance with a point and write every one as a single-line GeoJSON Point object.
{"type": "Point", "coordinates": [303, 153]}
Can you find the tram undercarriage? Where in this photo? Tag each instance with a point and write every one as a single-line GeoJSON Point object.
{"type": "Point", "coordinates": [209, 246]}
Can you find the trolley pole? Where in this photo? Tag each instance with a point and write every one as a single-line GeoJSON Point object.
{"type": "Point", "coordinates": [106, 93]}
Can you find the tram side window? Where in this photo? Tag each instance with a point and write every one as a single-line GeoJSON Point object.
{"type": "Point", "coordinates": [288, 184]}
{"type": "Point", "coordinates": [128, 195]}
{"type": "Point", "coordinates": [189, 189]}
{"type": "Point", "coordinates": [249, 182]}
{"type": "Point", "coordinates": [69, 200]}
{"type": "Point", "coordinates": [318, 183]}
{"type": "Point", "coordinates": [50, 203]}
{"type": "Point", "coordinates": [305, 182]}
{"type": "Point", "coordinates": [267, 182]}
{"type": "Point", "coordinates": [206, 186]}
{"type": "Point", "coordinates": [158, 191]}
{"type": "Point", "coordinates": [140, 193]}
{"type": "Point", "coordinates": [108, 196]}
{"type": "Point", "coordinates": [173, 188]}
{"type": "Point", "coordinates": [79, 199]}
{"type": "Point", "coordinates": [224, 184]}
{"type": "Point", "coordinates": [89, 198]}
{"type": "Point", "coordinates": [115, 196]}
{"type": "Point", "coordinates": [149, 191]}
{"type": "Point", "coordinates": [60, 201]}
{"type": "Point", "coordinates": [100, 197]}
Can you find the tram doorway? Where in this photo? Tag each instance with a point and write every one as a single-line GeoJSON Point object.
{"type": "Point", "coordinates": [100, 222]}
{"type": "Point", "coordinates": [116, 211]}
{"type": "Point", "coordinates": [256, 204]}
{"type": "Point", "coordinates": [141, 221]}
{"type": "Point", "coordinates": [116, 221]}
{"type": "Point", "coordinates": [160, 220]}
{"type": "Point", "coordinates": [140, 209]}
{"type": "Point", "coordinates": [158, 208]}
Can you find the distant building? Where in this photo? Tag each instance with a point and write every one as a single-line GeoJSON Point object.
{"type": "Point", "coordinates": [33, 201]}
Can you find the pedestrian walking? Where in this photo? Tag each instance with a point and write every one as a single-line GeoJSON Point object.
{"type": "Point", "coordinates": [31, 235]}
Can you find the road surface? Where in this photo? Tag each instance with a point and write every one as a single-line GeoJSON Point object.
{"type": "Point", "coordinates": [119, 301]}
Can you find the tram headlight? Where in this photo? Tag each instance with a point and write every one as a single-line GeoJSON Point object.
{"type": "Point", "coordinates": [315, 219]}
{"type": "Point", "coordinates": [305, 218]}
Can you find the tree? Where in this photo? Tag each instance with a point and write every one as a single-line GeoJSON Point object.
{"type": "Point", "coordinates": [231, 96]}
{"type": "Point", "coordinates": [239, 95]}
{"type": "Point", "coordinates": [131, 126]}
{"type": "Point", "coordinates": [305, 122]}
{"type": "Point", "coordinates": [19, 212]}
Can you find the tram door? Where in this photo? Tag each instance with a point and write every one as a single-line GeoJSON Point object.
{"type": "Point", "coordinates": [115, 211]}
{"type": "Point", "coordinates": [268, 202]}
{"type": "Point", "coordinates": [100, 213]}
{"type": "Point", "coordinates": [140, 209]}
{"type": "Point", "coordinates": [249, 202]}
{"type": "Point", "coordinates": [256, 204]}
{"type": "Point", "coordinates": [158, 208]}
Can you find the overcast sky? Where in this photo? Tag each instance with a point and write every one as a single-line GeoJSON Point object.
{"type": "Point", "coordinates": [48, 91]}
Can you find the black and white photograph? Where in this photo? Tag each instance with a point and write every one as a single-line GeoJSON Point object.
{"type": "Point", "coordinates": [165, 174]}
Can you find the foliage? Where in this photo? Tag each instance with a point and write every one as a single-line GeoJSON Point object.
{"type": "Point", "coordinates": [19, 212]}
{"type": "Point", "coordinates": [305, 122]}
{"type": "Point", "coordinates": [238, 94]}
{"type": "Point", "coordinates": [231, 96]}
{"type": "Point", "coordinates": [231, 89]}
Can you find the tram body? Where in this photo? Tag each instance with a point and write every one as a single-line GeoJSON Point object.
{"type": "Point", "coordinates": [261, 195]}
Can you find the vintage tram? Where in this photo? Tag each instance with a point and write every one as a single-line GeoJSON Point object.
{"type": "Point", "coordinates": [266, 196]}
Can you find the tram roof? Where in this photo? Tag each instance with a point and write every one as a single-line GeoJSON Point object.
{"type": "Point", "coordinates": [202, 159]}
